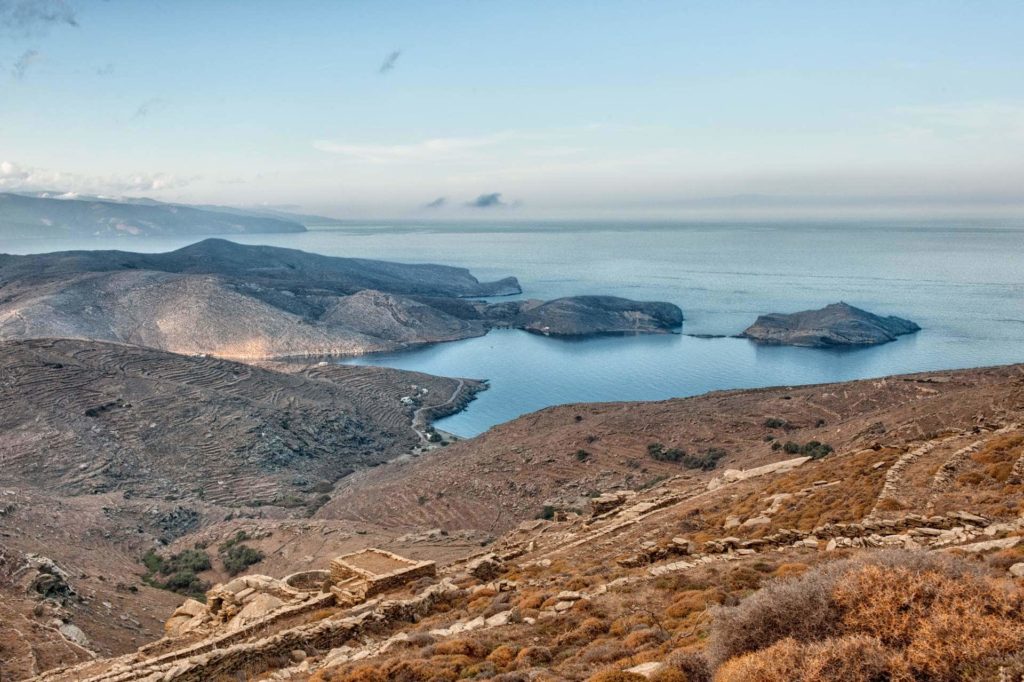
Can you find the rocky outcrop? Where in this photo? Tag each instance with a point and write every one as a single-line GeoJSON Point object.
{"type": "Point", "coordinates": [839, 324]}
{"type": "Point", "coordinates": [589, 315]}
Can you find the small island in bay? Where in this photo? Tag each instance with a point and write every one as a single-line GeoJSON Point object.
{"type": "Point", "coordinates": [838, 324]}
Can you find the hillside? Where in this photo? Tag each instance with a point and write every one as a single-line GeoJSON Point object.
{"type": "Point", "coordinates": [37, 216]}
{"type": "Point", "coordinates": [258, 302]}
{"type": "Point", "coordinates": [107, 451]}
{"type": "Point", "coordinates": [511, 472]}
{"type": "Point", "coordinates": [658, 569]}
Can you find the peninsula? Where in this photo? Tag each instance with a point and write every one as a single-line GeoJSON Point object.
{"type": "Point", "coordinates": [258, 302]}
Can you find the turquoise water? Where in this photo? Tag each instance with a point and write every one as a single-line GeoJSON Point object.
{"type": "Point", "coordinates": [962, 282]}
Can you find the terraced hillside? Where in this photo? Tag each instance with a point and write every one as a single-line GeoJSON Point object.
{"type": "Point", "coordinates": [559, 457]}
{"type": "Point", "coordinates": [897, 555]}
{"type": "Point", "coordinates": [107, 451]}
{"type": "Point", "coordinates": [85, 418]}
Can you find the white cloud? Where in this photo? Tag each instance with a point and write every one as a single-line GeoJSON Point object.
{"type": "Point", "coordinates": [14, 177]}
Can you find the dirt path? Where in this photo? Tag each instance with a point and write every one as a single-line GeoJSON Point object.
{"type": "Point", "coordinates": [419, 420]}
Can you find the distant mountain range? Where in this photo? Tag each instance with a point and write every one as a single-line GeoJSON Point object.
{"type": "Point", "coordinates": [46, 215]}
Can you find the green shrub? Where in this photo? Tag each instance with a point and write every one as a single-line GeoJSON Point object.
{"type": "Point", "coordinates": [178, 572]}
{"type": "Point", "coordinates": [812, 449]}
{"type": "Point", "coordinates": [774, 423]}
{"type": "Point", "coordinates": [658, 452]}
{"type": "Point", "coordinates": [240, 557]}
{"type": "Point", "coordinates": [582, 455]}
{"type": "Point", "coordinates": [705, 461]}
{"type": "Point", "coordinates": [815, 450]}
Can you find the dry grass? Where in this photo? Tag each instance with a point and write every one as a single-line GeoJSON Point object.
{"type": "Point", "coordinates": [892, 616]}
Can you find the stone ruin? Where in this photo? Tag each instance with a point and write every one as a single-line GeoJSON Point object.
{"type": "Point", "coordinates": [243, 601]}
{"type": "Point", "coordinates": [371, 571]}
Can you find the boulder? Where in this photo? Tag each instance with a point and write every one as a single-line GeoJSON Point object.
{"type": "Point", "coordinates": [256, 608]}
{"type": "Point", "coordinates": [485, 568]}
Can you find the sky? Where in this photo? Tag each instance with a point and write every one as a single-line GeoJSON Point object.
{"type": "Point", "coordinates": [477, 108]}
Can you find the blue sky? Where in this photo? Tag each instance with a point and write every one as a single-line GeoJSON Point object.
{"type": "Point", "coordinates": [563, 109]}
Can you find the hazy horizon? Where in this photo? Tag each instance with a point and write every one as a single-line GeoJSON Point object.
{"type": "Point", "coordinates": [473, 110]}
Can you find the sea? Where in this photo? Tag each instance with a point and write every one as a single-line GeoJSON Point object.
{"type": "Point", "coordinates": [962, 281]}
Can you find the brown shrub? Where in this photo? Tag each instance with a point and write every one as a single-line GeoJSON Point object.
{"type": "Point", "coordinates": [511, 677]}
{"type": "Point", "coordinates": [779, 662]}
{"type": "Point", "coordinates": [743, 578]}
{"type": "Point", "coordinates": [484, 669]}
{"type": "Point", "coordinates": [790, 570]}
{"type": "Point", "coordinates": [416, 670]}
{"type": "Point", "coordinates": [667, 674]}
{"type": "Point", "coordinates": [616, 676]}
{"type": "Point", "coordinates": [688, 602]}
{"type": "Point", "coordinates": [692, 663]}
{"type": "Point", "coordinates": [364, 673]}
{"type": "Point", "coordinates": [804, 608]}
{"type": "Point", "coordinates": [640, 639]}
{"type": "Point", "coordinates": [460, 647]}
{"type": "Point", "coordinates": [1004, 558]}
{"type": "Point", "coordinates": [891, 616]}
{"type": "Point", "coordinates": [503, 656]}
{"type": "Point", "coordinates": [854, 658]}
{"type": "Point", "coordinates": [943, 624]}
{"type": "Point", "coordinates": [604, 651]}
{"type": "Point", "coordinates": [626, 624]}
{"type": "Point", "coordinates": [532, 656]}
{"type": "Point", "coordinates": [532, 601]}
{"type": "Point", "coordinates": [969, 478]}
{"type": "Point", "coordinates": [586, 631]}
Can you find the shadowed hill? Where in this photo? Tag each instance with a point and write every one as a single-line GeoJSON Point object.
{"type": "Point", "coordinates": [288, 269]}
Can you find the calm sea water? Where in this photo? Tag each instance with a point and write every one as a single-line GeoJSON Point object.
{"type": "Point", "coordinates": [962, 282]}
